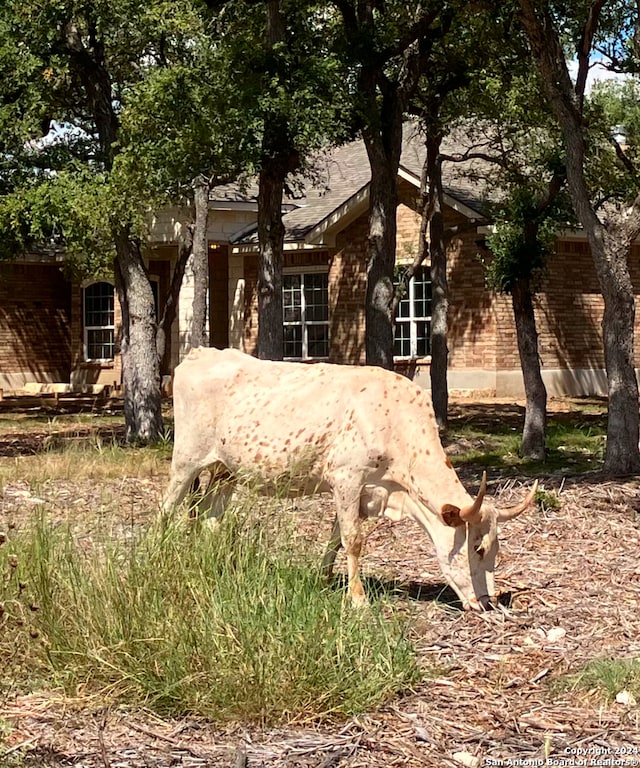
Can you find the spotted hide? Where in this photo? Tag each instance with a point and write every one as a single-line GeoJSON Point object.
{"type": "Point", "coordinates": [364, 434]}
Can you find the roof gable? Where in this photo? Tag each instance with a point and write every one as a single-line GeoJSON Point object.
{"type": "Point", "coordinates": [341, 192]}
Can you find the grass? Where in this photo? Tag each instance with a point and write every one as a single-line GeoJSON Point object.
{"type": "Point", "coordinates": [229, 625]}
{"type": "Point", "coordinates": [608, 676]}
{"type": "Point", "coordinates": [575, 442]}
{"type": "Point", "coordinates": [233, 624]}
{"type": "Point", "coordinates": [91, 456]}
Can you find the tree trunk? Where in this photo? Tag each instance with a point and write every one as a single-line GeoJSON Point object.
{"type": "Point", "coordinates": [535, 420]}
{"type": "Point", "coordinates": [271, 239]}
{"type": "Point", "coordinates": [170, 308]}
{"type": "Point", "coordinates": [278, 159]}
{"type": "Point", "coordinates": [610, 242]}
{"type": "Point", "coordinates": [200, 261]}
{"type": "Point", "coordinates": [140, 363]}
{"type": "Point", "coordinates": [439, 288]}
{"type": "Point", "coordinates": [384, 147]}
{"type": "Point", "coordinates": [380, 269]}
{"type": "Point", "coordinates": [610, 245]}
{"type": "Point", "coordinates": [621, 456]}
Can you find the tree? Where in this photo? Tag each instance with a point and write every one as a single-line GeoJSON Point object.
{"type": "Point", "coordinates": [200, 253]}
{"type": "Point", "coordinates": [186, 129]}
{"type": "Point", "coordinates": [279, 157]}
{"type": "Point", "coordinates": [453, 87]}
{"type": "Point", "coordinates": [519, 145]}
{"type": "Point", "coordinates": [83, 63]}
{"type": "Point", "coordinates": [521, 243]}
{"type": "Point", "coordinates": [388, 45]}
{"type": "Point", "coordinates": [610, 230]}
{"type": "Point", "coordinates": [294, 92]}
{"type": "Point", "coordinates": [449, 72]}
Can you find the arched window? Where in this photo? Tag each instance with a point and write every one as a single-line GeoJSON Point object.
{"type": "Point", "coordinates": [99, 326]}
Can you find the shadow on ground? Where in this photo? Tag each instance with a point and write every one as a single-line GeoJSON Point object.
{"type": "Point", "coordinates": [417, 591]}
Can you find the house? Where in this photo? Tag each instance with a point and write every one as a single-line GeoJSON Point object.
{"type": "Point", "coordinates": [53, 329]}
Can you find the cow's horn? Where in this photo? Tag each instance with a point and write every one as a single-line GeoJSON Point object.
{"type": "Point", "coordinates": [468, 513]}
{"type": "Point", "coordinates": [510, 512]}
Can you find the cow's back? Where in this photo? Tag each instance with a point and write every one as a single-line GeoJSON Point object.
{"type": "Point", "coordinates": [274, 418]}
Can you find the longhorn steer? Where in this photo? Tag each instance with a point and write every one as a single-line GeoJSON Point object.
{"type": "Point", "coordinates": [367, 435]}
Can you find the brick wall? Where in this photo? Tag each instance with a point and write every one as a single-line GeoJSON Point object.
{"type": "Point", "coordinates": [569, 309]}
{"type": "Point", "coordinates": [347, 294]}
{"type": "Point", "coordinates": [474, 313]}
{"type": "Point", "coordinates": [35, 338]}
{"type": "Point", "coordinates": [408, 231]}
{"type": "Point", "coordinates": [41, 312]}
{"type": "Point", "coordinates": [482, 332]}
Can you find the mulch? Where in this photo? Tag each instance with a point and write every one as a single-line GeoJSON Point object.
{"type": "Point", "coordinates": [494, 693]}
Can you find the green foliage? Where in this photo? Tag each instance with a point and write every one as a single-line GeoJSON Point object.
{"type": "Point", "coordinates": [298, 84]}
{"type": "Point", "coordinates": [71, 210]}
{"type": "Point", "coordinates": [191, 92]}
{"type": "Point", "coordinates": [548, 500]}
{"type": "Point", "coordinates": [517, 253]}
{"type": "Point", "coordinates": [58, 188]}
{"type": "Point", "coordinates": [614, 105]}
{"type": "Point", "coordinates": [228, 624]}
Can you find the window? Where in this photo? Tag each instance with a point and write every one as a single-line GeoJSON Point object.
{"type": "Point", "coordinates": [305, 299]}
{"type": "Point", "coordinates": [413, 321]}
{"type": "Point", "coordinates": [99, 325]}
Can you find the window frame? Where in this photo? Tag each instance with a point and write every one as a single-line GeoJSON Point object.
{"type": "Point", "coordinates": [86, 328]}
{"type": "Point", "coordinates": [412, 319]}
{"type": "Point", "coordinates": [304, 324]}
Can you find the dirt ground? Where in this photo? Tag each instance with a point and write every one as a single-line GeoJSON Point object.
{"type": "Point", "coordinates": [570, 580]}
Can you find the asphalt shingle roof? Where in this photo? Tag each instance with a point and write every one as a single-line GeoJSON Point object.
{"type": "Point", "coordinates": [344, 172]}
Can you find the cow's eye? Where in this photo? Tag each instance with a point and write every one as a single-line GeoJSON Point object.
{"type": "Point", "coordinates": [480, 551]}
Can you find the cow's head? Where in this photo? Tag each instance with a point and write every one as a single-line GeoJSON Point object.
{"type": "Point", "coordinates": [467, 546]}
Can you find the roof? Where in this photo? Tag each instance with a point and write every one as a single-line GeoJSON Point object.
{"type": "Point", "coordinates": [339, 191]}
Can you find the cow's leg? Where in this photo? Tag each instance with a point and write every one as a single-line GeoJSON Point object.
{"type": "Point", "coordinates": [182, 477]}
{"type": "Point", "coordinates": [348, 518]}
{"type": "Point", "coordinates": [216, 497]}
{"type": "Point", "coordinates": [373, 501]}
{"type": "Point", "coordinates": [331, 552]}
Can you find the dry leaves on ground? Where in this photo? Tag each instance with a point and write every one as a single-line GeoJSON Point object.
{"type": "Point", "coordinates": [573, 578]}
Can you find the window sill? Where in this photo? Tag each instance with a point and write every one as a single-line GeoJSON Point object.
{"type": "Point", "coordinates": [106, 364]}
{"type": "Point", "coordinates": [305, 359]}
{"type": "Point", "coordinates": [412, 359]}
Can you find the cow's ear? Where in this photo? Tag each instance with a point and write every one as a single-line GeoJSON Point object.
{"type": "Point", "coordinates": [451, 515]}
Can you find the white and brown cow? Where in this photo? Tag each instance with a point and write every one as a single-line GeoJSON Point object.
{"type": "Point", "coordinates": [365, 434]}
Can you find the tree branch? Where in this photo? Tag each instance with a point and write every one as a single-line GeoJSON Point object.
{"type": "Point", "coordinates": [586, 43]}
{"type": "Point", "coordinates": [623, 157]}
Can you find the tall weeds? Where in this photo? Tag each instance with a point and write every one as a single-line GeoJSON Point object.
{"type": "Point", "coordinates": [234, 623]}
